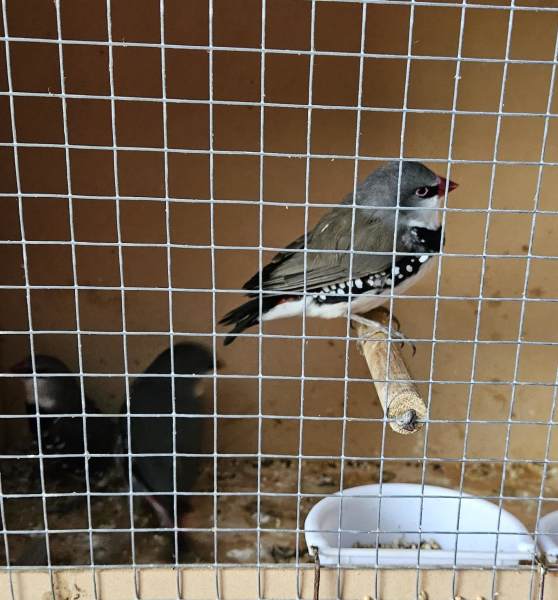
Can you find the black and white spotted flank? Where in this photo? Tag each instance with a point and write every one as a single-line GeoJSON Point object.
{"type": "Point", "coordinates": [406, 267]}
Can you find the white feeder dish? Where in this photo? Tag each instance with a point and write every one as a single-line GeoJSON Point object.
{"type": "Point", "coordinates": [548, 535]}
{"type": "Point", "coordinates": [443, 514]}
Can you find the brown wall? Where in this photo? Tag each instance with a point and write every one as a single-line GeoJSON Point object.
{"type": "Point", "coordinates": [236, 76]}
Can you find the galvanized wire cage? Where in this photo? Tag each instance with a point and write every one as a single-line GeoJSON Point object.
{"type": "Point", "coordinates": [156, 154]}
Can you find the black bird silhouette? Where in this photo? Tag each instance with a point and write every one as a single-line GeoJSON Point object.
{"type": "Point", "coordinates": [60, 394]}
{"type": "Point", "coordinates": [151, 395]}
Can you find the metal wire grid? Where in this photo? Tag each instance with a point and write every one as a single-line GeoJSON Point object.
{"type": "Point", "coordinates": [263, 50]}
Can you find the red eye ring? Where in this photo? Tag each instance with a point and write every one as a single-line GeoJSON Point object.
{"type": "Point", "coordinates": [421, 192]}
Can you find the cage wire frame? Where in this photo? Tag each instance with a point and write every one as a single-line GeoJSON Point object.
{"type": "Point", "coordinates": [214, 335]}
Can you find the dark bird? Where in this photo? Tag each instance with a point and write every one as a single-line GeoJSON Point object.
{"type": "Point", "coordinates": [151, 396]}
{"type": "Point", "coordinates": [33, 552]}
{"type": "Point", "coordinates": [320, 288]}
{"type": "Point", "coordinates": [59, 403]}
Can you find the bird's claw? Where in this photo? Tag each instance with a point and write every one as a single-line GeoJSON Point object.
{"type": "Point", "coordinates": [390, 333]}
{"type": "Point", "coordinates": [389, 316]}
{"type": "Point", "coordinates": [405, 340]}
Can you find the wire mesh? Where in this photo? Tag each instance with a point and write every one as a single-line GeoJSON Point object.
{"type": "Point", "coordinates": [144, 185]}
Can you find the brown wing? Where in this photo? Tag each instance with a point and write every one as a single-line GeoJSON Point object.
{"type": "Point", "coordinates": [333, 232]}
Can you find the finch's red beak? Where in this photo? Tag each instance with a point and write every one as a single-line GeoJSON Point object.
{"type": "Point", "coordinates": [445, 184]}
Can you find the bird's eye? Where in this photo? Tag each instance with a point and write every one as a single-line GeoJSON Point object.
{"type": "Point", "coordinates": [421, 192]}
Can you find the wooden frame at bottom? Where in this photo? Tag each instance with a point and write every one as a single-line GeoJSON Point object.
{"type": "Point", "coordinates": [281, 584]}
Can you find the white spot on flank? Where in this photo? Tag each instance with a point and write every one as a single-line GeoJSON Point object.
{"type": "Point", "coordinates": [340, 292]}
{"type": "Point", "coordinates": [400, 276]}
{"type": "Point", "coordinates": [322, 296]}
{"type": "Point", "coordinates": [409, 269]}
{"type": "Point", "coordinates": [358, 283]}
{"type": "Point", "coordinates": [423, 258]}
{"type": "Point", "coordinates": [325, 288]}
{"type": "Point", "coordinates": [388, 281]}
{"type": "Point", "coordinates": [342, 285]}
{"type": "Point", "coordinates": [396, 270]}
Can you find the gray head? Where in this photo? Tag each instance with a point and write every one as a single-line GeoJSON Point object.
{"type": "Point", "coordinates": [420, 192]}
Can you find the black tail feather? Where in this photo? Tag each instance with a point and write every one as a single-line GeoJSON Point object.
{"type": "Point", "coordinates": [246, 315]}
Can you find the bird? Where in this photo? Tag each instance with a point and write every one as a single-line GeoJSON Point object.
{"type": "Point", "coordinates": [151, 396]}
{"type": "Point", "coordinates": [324, 283]}
{"type": "Point", "coordinates": [59, 393]}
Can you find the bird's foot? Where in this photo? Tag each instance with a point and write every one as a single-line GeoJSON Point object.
{"type": "Point", "coordinates": [389, 332]}
{"type": "Point", "coordinates": [386, 315]}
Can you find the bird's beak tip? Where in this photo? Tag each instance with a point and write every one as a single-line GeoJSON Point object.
{"type": "Point", "coordinates": [444, 185]}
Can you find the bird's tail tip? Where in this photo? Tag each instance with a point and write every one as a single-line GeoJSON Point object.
{"type": "Point", "coordinates": [229, 340]}
{"type": "Point", "coordinates": [229, 319]}
{"type": "Point", "coordinates": [241, 318]}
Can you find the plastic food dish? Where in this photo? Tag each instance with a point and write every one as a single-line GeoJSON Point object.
{"type": "Point", "coordinates": [456, 528]}
{"type": "Point", "coordinates": [548, 535]}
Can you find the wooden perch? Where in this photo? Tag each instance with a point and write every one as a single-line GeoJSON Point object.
{"type": "Point", "coordinates": [398, 394]}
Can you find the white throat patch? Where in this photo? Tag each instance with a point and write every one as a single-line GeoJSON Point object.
{"type": "Point", "coordinates": [428, 216]}
{"type": "Point", "coordinates": [45, 393]}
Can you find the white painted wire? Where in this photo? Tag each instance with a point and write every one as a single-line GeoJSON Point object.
{"type": "Point", "coordinates": [439, 279]}
{"type": "Point", "coordinates": [213, 308]}
{"type": "Point", "coordinates": [128, 466]}
{"type": "Point", "coordinates": [391, 296]}
{"type": "Point", "coordinates": [76, 295]}
{"type": "Point", "coordinates": [176, 524]}
{"type": "Point", "coordinates": [28, 303]}
{"type": "Point", "coordinates": [6, 541]}
{"type": "Point", "coordinates": [350, 294]}
{"type": "Point", "coordinates": [261, 196]}
{"type": "Point", "coordinates": [308, 162]}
